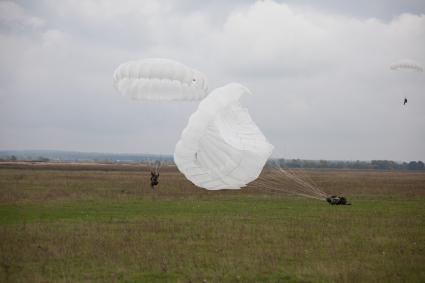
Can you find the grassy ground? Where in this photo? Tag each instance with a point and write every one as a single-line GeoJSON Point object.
{"type": "Point", "coordinates": [105, 225]}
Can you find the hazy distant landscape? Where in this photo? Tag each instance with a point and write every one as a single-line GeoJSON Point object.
{"type": "Point", "coordinates": [75, 156]}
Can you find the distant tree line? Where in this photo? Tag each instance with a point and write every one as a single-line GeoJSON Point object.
{"type": "Point", "coordinates": [285, 163]}
{"type": "Point", "coordinates": [338, 164]}
{"type": "Point", "coordinates": [75, 156]}
{"type": "Point", "coordinates": [15, 158]}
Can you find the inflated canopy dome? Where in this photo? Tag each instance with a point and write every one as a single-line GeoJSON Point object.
{"type": "Point", "coordinates": [159, 79]}
{"type": "Point", "coordinates": [221, 147]}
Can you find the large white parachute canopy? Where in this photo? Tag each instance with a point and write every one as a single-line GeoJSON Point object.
{"type": "Point", "coordinates": [406, 65]}
{"type": "Point", "coordinates": [159, 79]}
{"type": "Point", "coordinates": [221, 147]}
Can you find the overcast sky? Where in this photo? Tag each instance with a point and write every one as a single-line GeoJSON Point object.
{"type": "Point", "coordinates": [319, 71]}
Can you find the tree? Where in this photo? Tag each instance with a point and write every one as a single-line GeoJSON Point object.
{"type": "Point", "coordinates": [413, 165]}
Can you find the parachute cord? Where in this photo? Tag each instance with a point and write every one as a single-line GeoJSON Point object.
{"type": "Point", "coordinates": [279, 181]}
{"type": "Point", "coordinates": [291, 175]}
{"type": "Point", "coordinates": [282, 186]}
{"type": "Point", "coordinates": [158, 167]}
{"type": "Point", "coordinates": [278, 191]}
{"type": "Point", "coordinates": [302, 182]}
{"type": "Point", "coordinates": [293, 190]}
{"type": "Point", "coordinates": [285, 181]}
{"type": "Point", "coordinates": [308, 180]}
{"type": "Point", "coordinates": [294, 194]}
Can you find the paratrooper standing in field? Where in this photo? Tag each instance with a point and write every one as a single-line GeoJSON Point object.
{"type": "Point", "coordinates": [154, 179]}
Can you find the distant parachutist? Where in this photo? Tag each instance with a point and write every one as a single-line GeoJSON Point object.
{"type": "Point", "coordinates": [405, 101]}
{"type": "Point", "coordinates": [337, 200]}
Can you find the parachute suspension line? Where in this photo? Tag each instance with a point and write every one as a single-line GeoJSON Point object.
{"type": "Point", "coordinates": [294, 194]}
{"type": "Point", "coordinates": [286, 186]}
{"type": "Point", "coordinates": [158, 166]}
{"type": "Point", "coordinates": [303, 177]}
{"type": "Point", "coordinates": [287, 190]}
{"type": "Point", "coordinates": [280, 189]}
{"type": "Point", "coordinates": [285, 181]}
{"type": "Point", "coordinates": [301, 180]}
{"type": "Point", "coordinates": [155, 166]}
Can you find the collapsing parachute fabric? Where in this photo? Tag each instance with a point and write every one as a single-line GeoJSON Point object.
{"type": "Point", "coordinates": [221, 147]}
{"type": "Point", "coordinates": [159, 79]}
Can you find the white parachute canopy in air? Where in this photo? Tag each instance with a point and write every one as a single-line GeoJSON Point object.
{"type": "Point", "coordinates": [221, 147]}
{"type": "Point", "coordinates": [406, 65]}
{"type": "Point", "coordinates": [159, 79]}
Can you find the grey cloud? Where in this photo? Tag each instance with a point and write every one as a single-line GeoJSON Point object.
{"type": "Point", "coordinates": [12, 15]}
{"type": "Point", "coordinates": [320, 77]}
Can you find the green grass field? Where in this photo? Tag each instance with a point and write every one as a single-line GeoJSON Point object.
{"type": "Point", "coordinates": [103, 224]}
